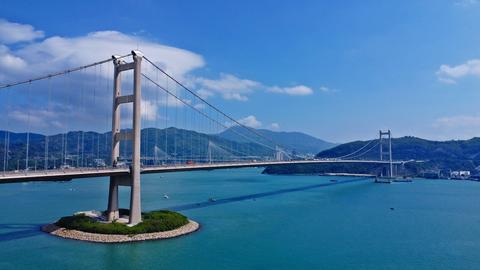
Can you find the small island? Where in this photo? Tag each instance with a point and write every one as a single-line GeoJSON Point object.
{"type": "Point", "coordinates": [92, 226]}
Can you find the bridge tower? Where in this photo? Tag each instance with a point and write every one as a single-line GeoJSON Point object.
{"type": "Point", "coordinates": [278, 153]}
{"type": "Point", "coordinates": [209, 152]}
{"type": "Point", "coordinates": [133, 179]}
{"type": "Point", "coordinates": [386, 135]}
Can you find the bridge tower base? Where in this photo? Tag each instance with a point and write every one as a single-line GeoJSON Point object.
{"type": "Point", "coordinates": [133, 179]}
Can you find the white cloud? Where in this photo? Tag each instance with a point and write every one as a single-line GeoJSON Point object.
{"type": "Point", "coordinates": [14, 32]}
{"type": "Point", "coordinates": [449, 74]}
{"type": "Point", "coordinates": [9, 61]}
{"type": "Point", "coordinates": [228, 86]}
{"type": "Point", "coordinates": [231, 87]}
{"type": "Point", "coordinates": [205, 93]}
{"type": "Point", "coordinates": [49, 118]}
{"type": "Point", "coordinates": [151, 109]}
{"type": "Point", "coordinates": [34, 117]}
{"type": "Point", "coordinates": [235, 96]}
{"type": "Point", "coordinates": [274, 126]}
{"type": "Point", "coordinates": [447, 80]}
{"type": "Point", "coordinates": [57, 53]}
{"type": "Point", "coordinates": [250, 121]}
{"type": "Point", "coordinates": [324, 89]}
{"type": "Point", "coordinates": [299, 90]}
{"type": "Point", "coordinates": [38, 55]}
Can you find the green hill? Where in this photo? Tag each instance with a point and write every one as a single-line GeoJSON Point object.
{"type": "Point", "coordinates": [437, 155]}
{"type": "Point", "coordinates": [434, 156]}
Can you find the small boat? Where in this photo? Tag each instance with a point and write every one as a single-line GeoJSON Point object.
{"type": "Point", "coordinates": [166, 196]}
{"type": "Point", "coordinates": [212, 200]}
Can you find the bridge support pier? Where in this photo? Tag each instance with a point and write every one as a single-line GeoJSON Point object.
{"type": "Point", "coordinates": [112, 209]}
{"type": "Point", "coordinates": [133, 179]}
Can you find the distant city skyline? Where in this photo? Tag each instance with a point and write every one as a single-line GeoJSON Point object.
{"type": "Point", "coordinates": [337, 71]}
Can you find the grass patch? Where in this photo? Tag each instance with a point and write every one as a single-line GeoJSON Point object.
{"type": "Point", "coordinates": [155, 221]}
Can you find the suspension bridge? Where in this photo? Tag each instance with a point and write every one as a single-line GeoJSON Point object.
{"type": "Point", "coordinates": [55, 128]}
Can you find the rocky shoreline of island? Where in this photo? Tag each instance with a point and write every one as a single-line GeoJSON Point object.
{"type": "Point", "coordinates": [55, 230]}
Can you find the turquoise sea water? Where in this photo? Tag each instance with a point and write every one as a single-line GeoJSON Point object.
{"type": "Point", "coordinates": [258, 222]}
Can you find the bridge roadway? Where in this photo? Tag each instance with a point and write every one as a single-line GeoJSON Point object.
{"type": "Point", "coordinates": [73, 173]}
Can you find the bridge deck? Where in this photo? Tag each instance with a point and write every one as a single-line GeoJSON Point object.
{"type": "Point", "coordinates": [69, 174]}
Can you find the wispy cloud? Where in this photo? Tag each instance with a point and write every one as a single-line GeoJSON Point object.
{"type": "Point", "coordinates": [231, 87]}
{"type": "Point", "coordinates": [56, 53]}
{"type": "Point", "coordinates": [11, 32]}
{"type": "Point", "coordinates": [325, 89]}
{"type": "Point", "coordinates": [298, 90]}
{"type": "Point", "coordinates": [10, 62]}
{"type": "Point", "coordinates": [450, 74]}
{"type": "Point", "coordinates": [274, 126]}
{"type": "Point", "coordinates": [253, 122]}
{"type": "Point", "coordinates": [37, 118]}
{"type": "Point", "coordinates": [447, 80]}
{"type": "Point", "coordinates": [203, 93]}
{"type": "Point", "coordinates": [250, 121]}
{"type": "Point", "coordinates": [228, 86]}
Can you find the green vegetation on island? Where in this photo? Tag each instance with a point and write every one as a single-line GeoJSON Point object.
{"type": "Point", "coordinates": [154, 221]}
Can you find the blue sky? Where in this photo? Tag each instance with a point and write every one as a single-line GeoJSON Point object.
{"type": "Point", "coordinates": [339, 70]}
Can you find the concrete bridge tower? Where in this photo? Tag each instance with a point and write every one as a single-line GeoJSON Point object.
{"type": "Point", "coordinates": [386, 135]}
{"type": "Point", "coordinates": [133, 179]}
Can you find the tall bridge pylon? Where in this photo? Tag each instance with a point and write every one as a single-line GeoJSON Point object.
{"type": "Point", "coordinates": [133, 179]}
{"type": "Point", "coordinates": [385, 139]}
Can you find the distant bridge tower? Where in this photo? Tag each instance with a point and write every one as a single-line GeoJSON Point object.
{"type": "Point", "coordinates": [278, 153]}
{"type": "Point", "coordinates": [385, 138]}
{"type": "Point", "coordinates": [133, 179]}
{"type": "Point", "coordinates": [209, 152]}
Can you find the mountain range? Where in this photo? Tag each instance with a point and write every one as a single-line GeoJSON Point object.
{"type": "Point", "coordinates": [172, 144]}
{"type": "Point", "coordinates": [78, 148]}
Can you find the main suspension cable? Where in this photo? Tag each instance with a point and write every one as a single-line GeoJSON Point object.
{"type": "Point", "coordinates": [210, 105]}
{"type": "Point", "coordinates": [205, 115]}
{"type": "Point", "coordinates": [370, 149]}
{"type": "Point", "coordinates": [356, 151]}
{"type": "Point", "coordinates": [60, 72]}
